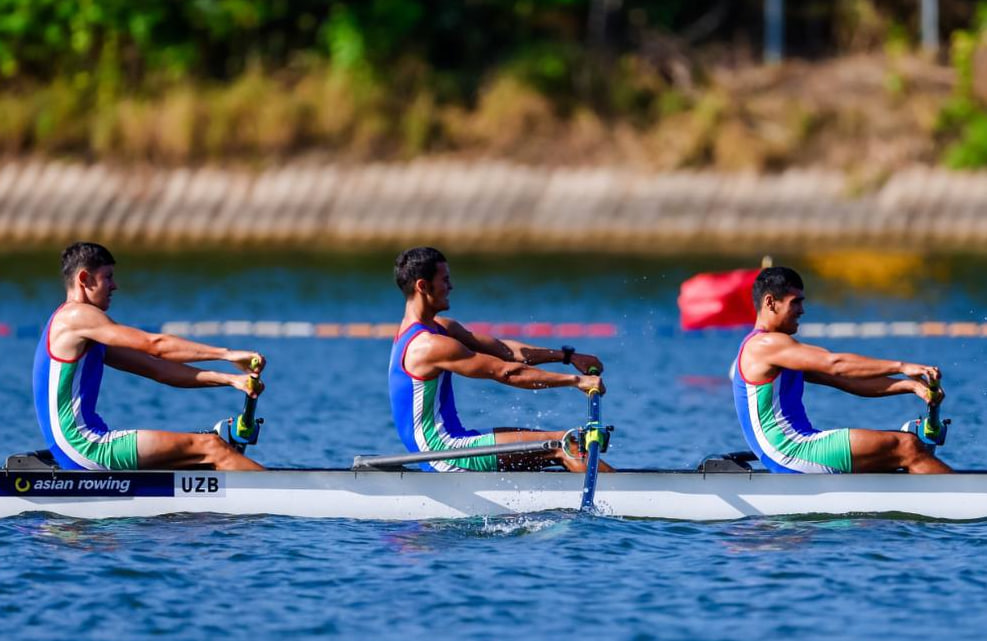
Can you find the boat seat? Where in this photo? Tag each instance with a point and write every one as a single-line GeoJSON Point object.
{"type": "Point", "coordinates": [726, 463]}
{"type": "Point", "coordinates": [40, 460]}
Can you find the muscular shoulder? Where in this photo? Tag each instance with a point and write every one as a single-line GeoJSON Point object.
{"type": "Point", "coordinates": [68, 336]}
{"type": "Point", "coordinates": [428, 347]}
{"type": "Point", "coordinates": [759, 358]}
{"type": "Point", "coordinates": [428, 354]}
{"type": "Point", "coordinates": [770, 341]}
{"type": "Point", "coordinates": [80, 315]}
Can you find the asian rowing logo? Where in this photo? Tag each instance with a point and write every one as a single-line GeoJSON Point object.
{"type": "Point", "coordinates": [22, 485]}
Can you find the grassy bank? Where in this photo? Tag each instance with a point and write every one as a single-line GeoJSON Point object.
{"type": "Point", "coordinates": [870, 114]}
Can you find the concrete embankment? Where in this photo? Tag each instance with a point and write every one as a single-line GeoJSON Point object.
{"type": "Point", "coordinates": [487, 206]}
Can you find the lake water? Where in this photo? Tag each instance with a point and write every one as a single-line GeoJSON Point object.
{"type": "Point", "coordinates": [548, 575]}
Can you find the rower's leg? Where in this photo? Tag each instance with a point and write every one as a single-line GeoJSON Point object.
{"type": "Point", "coordinates": [537, 460]}
{"type": "Point", "coordinates": [165, 450]}
{"type": "Point", "coordinates": [879, 451]}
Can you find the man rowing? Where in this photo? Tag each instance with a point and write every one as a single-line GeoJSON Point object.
{"type": "Point", "coordinates": [80, 338]}
{"type": "Point", "coordinates": [430, 348]}
{"type": "Point", "coordinates": [768, 378]}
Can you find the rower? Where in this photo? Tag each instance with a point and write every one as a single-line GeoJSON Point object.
{"type": "Point", "coordinates": [80, 338]}
{"type": "Point", "coordinates": [430, 348]}
{"type": "Point", "coordinates": [768, 380]}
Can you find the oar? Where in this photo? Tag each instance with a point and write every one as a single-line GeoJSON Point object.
{"type": "Point", "coordinates": [399, 460]}
{"type": "Point", "coordinates": [933, 428]}
{"type": "Point", "coordinates": [246, 428]}
{"type": "Point", "coordinates": [593, 439]}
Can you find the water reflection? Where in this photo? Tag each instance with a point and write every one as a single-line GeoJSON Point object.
{"type": "Point", "coordinates": [79, 534]}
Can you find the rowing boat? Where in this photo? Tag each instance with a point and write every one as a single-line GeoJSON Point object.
{"type": "Point", "coordinates": [383, 487]}
{"type": "Point", "coordinates": [721, 489]}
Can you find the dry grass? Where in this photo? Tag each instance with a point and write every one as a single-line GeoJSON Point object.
{"type": "Point", "coordinates": [867, 115]}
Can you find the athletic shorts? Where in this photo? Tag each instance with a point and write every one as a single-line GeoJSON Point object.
{"type": "Point", "coordinates": [472, 464]}
{"type": "Point", "coordinates": [826, 452]}
{"type": "Point", "coordinates": [112, 450]}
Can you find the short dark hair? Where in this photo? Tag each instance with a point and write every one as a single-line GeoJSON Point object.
{"type": "Point", "coordinates": [88, 256]}
{"type": "Point", "coordinates": [415, 263]}
{"type": "Point", "coordinates": [777, 281]}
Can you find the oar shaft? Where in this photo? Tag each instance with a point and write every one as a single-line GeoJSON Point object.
{"type": "Point", "coordinates": [594, 407]}
{"type": "Point", "coordinates": [934, 403]}
{"type": "Point", "coordinates": [592, 471]}
{"type": "Point", "coordinates": [398, 460]}
{"type": "Point", "coordinates": [592, 446]}
{"type": "Point", "coordinates": [249, 409]}
{"type": "Point", "coordinates": [246, 426]}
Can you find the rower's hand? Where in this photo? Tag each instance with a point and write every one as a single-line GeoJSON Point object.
{"type": "Point", "coordinates": [926, 373]}
{"type": "Point", "coordinates": [589, 383]}
{"type": "Point", "coordinates": [931, 395]}
{"type": "Point", "coordinates": [249, 362]}
{"type": "Point", "coordinates": [585, 362]}
{"type": "Point", "coordinates": [249, 384]}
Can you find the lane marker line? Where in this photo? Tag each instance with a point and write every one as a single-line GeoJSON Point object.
{"type": "Point", "coordinates": [534, 330]}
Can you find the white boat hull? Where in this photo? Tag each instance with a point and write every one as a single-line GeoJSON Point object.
{"type": "Point", "coordinates": [419, 495]}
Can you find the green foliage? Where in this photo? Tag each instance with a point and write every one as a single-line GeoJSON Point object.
{"type": "Point", "coordinates": [964, 118]}
{"type": "Point", "coordinates": [971, 150]}
{"type": "Point", "coordinates": [187, 80]}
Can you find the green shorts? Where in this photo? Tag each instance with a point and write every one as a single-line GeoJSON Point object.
{"type": "Point", "coordinates": [472, 464]}
{"type": "Point", "coordinates": [826, 451]}
{"type": "Point", "coordinates": [113, 450]}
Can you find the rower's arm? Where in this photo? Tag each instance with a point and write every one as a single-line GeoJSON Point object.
{"type": "Point", "coordinates": [176, 374]}
{"type": "Point", "coordinates": [95, 325]}
{"type": "Point", "coordinates": [780, 350]}
{"type": "Point", "coordinates": [433, 353]}
{"type": "Point", "coordinates": [516, 351]}
{"type": "Point", "coordinates": [871, 387]}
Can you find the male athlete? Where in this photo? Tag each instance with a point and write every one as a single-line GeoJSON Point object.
{"type": "Point", "coordinates": [768, 379]}
{"type": "Point", "coordinates": [68, 368]}
{"type": "Point", "coordinates": [429, 349]}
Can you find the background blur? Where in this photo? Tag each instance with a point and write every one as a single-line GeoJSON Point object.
{"type": "Point", "coordinates": [323, 122]}
{"type": "Point", "coordinates": [858, 85]}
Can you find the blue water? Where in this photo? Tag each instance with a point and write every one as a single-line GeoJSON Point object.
{"type": "Point", "coordinates": [549, 575]}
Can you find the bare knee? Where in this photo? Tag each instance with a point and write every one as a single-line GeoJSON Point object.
{"type": "Point", "coordinates": [213, 448]}
{"type": "Point", "coordinates": [223, 456]}
{"type": "Point", "coordinates": [910, 449]}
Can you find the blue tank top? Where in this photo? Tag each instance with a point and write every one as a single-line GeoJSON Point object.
{"type": "Point", "coordinates": [65, 395]}
{"type": "Point", "coordinates": [771, 413]}
{"type": "Point", "coordinates": [424, 410]}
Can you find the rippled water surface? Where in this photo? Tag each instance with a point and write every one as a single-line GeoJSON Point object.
{"type": "Point", "coordinates": [549, 575]}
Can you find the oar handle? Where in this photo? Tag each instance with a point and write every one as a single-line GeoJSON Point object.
{"type": "Point", "coordinates": [246, 428]}
{"type": "Point", "coordinates": [933, 429]}
{"type": "Point", "coordinates": [935, 401]}
{"type": "Point", "coordinates": [253, 385]}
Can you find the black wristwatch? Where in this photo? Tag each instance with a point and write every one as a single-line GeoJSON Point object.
{"type": "Point", "coordinates": [567, 352]}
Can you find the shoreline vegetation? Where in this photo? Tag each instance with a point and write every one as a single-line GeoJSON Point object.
{"type": "Point", "coordinates": [255, 84]}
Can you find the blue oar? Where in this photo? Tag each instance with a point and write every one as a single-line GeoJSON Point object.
{"type": "Point", "coordinates": [593, 439]}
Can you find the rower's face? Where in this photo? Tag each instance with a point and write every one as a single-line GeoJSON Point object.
{"type": "Point", "coordinates": [789, 309]}
{"type": "Point", "coordinates": [439, 287]}
{"type": "Point", "coordinates": [100, 285]}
